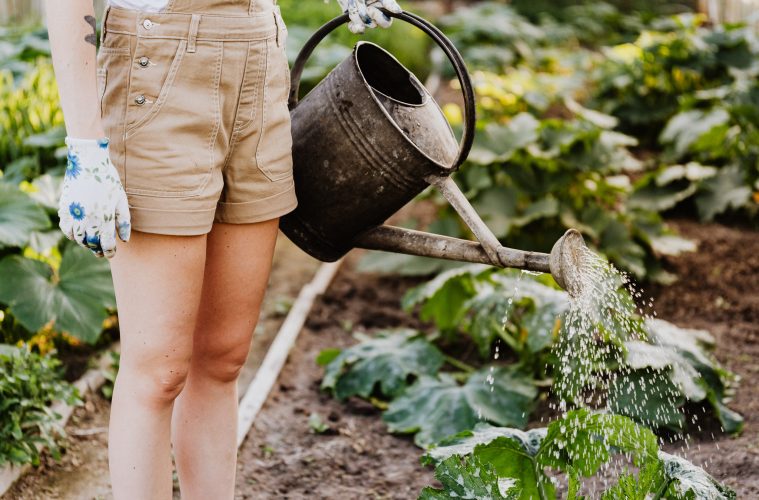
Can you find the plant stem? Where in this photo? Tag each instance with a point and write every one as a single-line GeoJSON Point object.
{"type": "Point", "coordinates": [458, 364]}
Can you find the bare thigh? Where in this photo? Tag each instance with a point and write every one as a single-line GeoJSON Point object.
{"type": "Point", "coordinates": [238, 265]}
{"type": "Point", "coordinates": [158, 281]}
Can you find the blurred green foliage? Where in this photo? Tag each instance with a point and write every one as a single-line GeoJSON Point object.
{"type": "Point", "coordinates": [29, 383]}
{"type": "Point", "coordinates": [304, 17]}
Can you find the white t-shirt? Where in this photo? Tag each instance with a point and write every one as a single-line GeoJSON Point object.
{"type": "Point", "coordinates": [146, 5]}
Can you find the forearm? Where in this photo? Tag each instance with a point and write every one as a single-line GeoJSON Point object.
{"type": "Point", "coordinates": [71, 27]}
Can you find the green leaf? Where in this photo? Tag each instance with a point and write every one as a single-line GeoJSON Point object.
{"type": "Point", "coordinates": [326, 356]}
{"type": "Point", "coordinates": [46, 190]}
{"type": "Point", "coordinates": [690, 345]}
{"type": "Point", "coordinates": [582, 441]}
{"type": "Point", "coordinates": [686, 378]}
{"type": "Point", "coordinates": [443, 297]}
{"type": "Point", "coordinates": [437, 407]}
{"type": "Point", "coordinates": [50, 138]}
{"type": "Point", "coordinates": [465, 442]}
{"type": "Point", "coordinates": [687, 127]}
{"type": "Point", "coordinates": [497, 207]}
{"type": "Point", "coordinates": [316, 424]}
{"type": "Point", "coordinates": [630, 487]}
{"type": "Point", "coordinates": [725, 190]}
{"type": "Point", "coordinates": [497, 143]}
{"type": "Point", "coordinates": [470, 478]}
{"type": "Point", "coordinates": [690, 481]}
{"type": "Point", "coordinates": [19, 216]}
{"type": "Point", "coordinates": [388, 360]}
{"type": "Point", "coordinates": [405, 265]}
{"type": "Point", "coordinates": [75, 298]}
{"type": "Point", "coordinates": [629, 395]}
{"type": "Point", "coordinates": [511, 452]}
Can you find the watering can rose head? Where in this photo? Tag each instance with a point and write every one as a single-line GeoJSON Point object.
{"type": "Point", "coordinates": [367, 14]}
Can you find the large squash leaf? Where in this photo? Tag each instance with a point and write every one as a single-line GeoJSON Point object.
{"type": "Point", "coordinates": [74, 298]}
{"type": "Point", "coordinates": [511, 452]}
{"type": "Point", "coordinates": [388, 361]}
{"type": "Point", "coordinates": [19, 216]}
{"type": "Point", "coordinates": [582, 442]}
{"type": "Point", "coordinates": [675, 367]}
{"type": "Point", "coordinates": [470, 478]}
{"type": "Point", "coordinates": [577, 445]}
{"type": "Point", "coordinates": [687, 480]}
{"type": "Point", "coordinates": [443, 298]}
{"type": "Point", "coordinates": [465, 442]}
{"type": "Point", "coordinates": [437, 407]}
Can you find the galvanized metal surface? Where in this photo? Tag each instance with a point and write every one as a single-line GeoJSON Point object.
{"type": "Point", "coordinates": [354, 165]}
{"type": "Point", "coordinates": [369, 138]}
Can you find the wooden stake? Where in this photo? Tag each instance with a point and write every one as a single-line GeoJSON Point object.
{"type": "Point", "coordinates": [258, 390]}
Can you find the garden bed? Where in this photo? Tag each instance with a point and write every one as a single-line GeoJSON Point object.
{"type": "Point", "coordinates": [283, 457]}
{"type": "Point", "coordinates": [357, 458]}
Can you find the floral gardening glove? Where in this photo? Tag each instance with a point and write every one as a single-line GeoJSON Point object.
{"type": "Point", "coordinates": [367, 14]}
{"type": "Point", "coordinates": [93, 205]}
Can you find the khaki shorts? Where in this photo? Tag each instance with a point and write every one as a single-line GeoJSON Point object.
{"type": "Point", "coordinates": [195, 106]}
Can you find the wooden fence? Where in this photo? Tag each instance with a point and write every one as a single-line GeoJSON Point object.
{"type": "Point", "coordinates": [731, 11]}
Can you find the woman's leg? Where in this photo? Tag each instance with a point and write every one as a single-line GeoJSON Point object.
{"type": "Point", "coordinates": [204, 429]}
{"type": "Point", "coordinates": [158, 282]}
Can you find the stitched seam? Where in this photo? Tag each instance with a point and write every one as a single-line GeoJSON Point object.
{"type": "Point", "coordinates": [259, 74]}
{"type": "Point", "coordinates": [263, 111]}
{"type": "Point", "coordinates": [235, 128]}
{"type": "Point", "coordinates": [117, 51]}
{"type": "Point", "coordinates": [132, 44]}
{"type": "Point", "coordinates": [215, 38]}
{"type": "Point", "coordinates": [217, 105]}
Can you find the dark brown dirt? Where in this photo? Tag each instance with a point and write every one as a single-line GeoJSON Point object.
{"type": "Point", "coordinates": [356, 458]}
{"type": "Point", "coordinates": [718, 291]}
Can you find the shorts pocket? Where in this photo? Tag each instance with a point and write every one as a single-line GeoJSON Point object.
{"type": "Point", "coordinates": [170, 141]}
{"type": "Point", "coordinates": [274, 149]}
{"type": "Point", "coordinates": [154, 69]}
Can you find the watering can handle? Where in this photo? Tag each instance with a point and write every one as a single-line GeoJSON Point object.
{"type": "Point", "coordinates": [437, 36]}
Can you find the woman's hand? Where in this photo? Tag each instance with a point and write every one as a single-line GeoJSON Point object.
{"type": "Point", "coordinates": [367, 14]}
{"type": "Point", "coordinates": [93, 205]}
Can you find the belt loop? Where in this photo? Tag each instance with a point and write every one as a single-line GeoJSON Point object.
{"type": "Point", "coordinates": [193, 36]}
{"type": "Point", "coordinates": [103, 23]}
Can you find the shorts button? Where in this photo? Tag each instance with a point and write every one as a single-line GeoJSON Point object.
{"type": "Point", "coordinates": [140, 99]}
{"type": "Point", "coordinates": [147, 24]}
{"type": "Point", "coordinates": [144, 61]}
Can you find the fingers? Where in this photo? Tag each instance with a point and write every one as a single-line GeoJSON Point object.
{"type": "Point", "coordinates": [66, 223]}
{"type": "Point", "coordinates": [92, 241]}
{"type": "Point", "coordinates": [108, 241]}
{"type": "Point", "coordinates": [380, 18]}
{"type": "Point", "coordinates": [123, 218]}
{"type": "Point", "coordinates": [392, 6]}
{"type": "Point", "coordinates": [357, 14]}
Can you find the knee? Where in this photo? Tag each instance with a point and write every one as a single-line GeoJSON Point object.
{"type": "Point", "coordinates": [222, 361]}
{"type": "Point", "coordinates": [156, 385]}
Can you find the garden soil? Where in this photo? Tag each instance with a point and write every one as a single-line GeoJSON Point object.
{"type": "Point", "coordinates": [284, 458]}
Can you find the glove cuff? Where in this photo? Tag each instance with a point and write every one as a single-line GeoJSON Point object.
{"type": "Point", "coordinates": [101, 142]}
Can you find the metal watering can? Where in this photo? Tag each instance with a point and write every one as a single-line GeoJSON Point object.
{"type": "Point", "coordinates": [368, 139]}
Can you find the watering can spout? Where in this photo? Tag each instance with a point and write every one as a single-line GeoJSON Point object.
{"type": "Point", "coordinates": [563, 263]}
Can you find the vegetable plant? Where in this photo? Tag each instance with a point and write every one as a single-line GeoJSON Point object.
{"type": "Point", "coordinates": [29, 383]}
{"type": "Point", "coordinates": [497, 462]}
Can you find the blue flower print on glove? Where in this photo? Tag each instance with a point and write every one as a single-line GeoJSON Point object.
{"type": "Point", "coordinates": [93, 207]}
